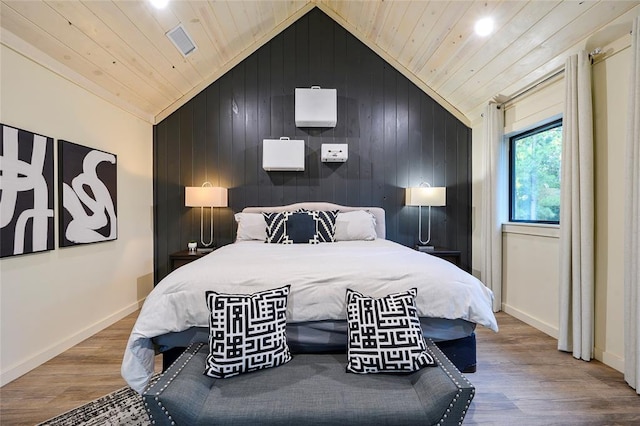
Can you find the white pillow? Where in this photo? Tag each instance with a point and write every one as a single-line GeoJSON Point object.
{"type": "Point", "coordinates": [251, 226]}
{"type": "Point", "coordinates": [355, 225]}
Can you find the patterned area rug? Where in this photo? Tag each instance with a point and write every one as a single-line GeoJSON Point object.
{"type": "Point", "coordinates": [122, 407]}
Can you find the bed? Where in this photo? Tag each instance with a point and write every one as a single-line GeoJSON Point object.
{"type": "Point", "coordinates": [450, 301]}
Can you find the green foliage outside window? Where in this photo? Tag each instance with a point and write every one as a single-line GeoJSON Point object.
{"type": "Point", "coordinates": [535, 174]}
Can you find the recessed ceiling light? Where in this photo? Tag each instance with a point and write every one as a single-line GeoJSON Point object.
{"type": "Point", "coordinates": [484, 27]}
{"type": "Point", "coordinates": [159, 4]}
{"type": "Point", "coordinates": [182, 40]}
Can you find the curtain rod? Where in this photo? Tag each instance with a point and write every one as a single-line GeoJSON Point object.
{"type": "Point", "coordinates": [595, 52]}
{"type": "Point", "coordinates": [532, 87]}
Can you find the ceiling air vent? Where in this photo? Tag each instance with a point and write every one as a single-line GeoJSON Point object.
{"type": "Point", "coordinates": [181, 40]}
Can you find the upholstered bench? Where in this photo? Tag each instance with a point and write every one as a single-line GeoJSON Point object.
{"type": "Point", "coordinates": [311, 389]}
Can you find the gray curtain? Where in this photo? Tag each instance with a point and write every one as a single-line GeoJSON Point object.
{"type": "Point", "coordinates": [577, 212]}
{"type": "Point", "coordinates": [632, 222]}
{"type": "Point", "coordinates": [494, 206]}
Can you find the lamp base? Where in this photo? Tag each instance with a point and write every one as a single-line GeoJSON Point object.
{"type": "Point", "coordinates": [421, 247]}
{"type": "Point", "coordinates": [205, 249]}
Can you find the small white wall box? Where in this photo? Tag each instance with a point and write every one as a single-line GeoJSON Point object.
{"type": "Point", "coordinates": [316, 107]}
{"type": "Point", "coordinates": [334, 152]}
{"type": "Point", "coordinates": [282, 154]}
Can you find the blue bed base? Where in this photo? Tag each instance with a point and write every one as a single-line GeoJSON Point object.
{"type": "Point", "coordinates": [461, 352]}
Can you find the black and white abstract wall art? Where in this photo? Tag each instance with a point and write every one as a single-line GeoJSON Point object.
{"type": "Point", "coordinates": [87, 182]}
{"type": "Point", "coordinates": [26, 192]}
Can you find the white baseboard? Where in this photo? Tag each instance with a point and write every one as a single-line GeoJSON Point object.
{"type": "Point", "coordinates": [612, 360]}
{"type": "Point", "coordinates": [607, 358]}
{"type": "Point", "coordinates": [52, 351]}
{"type": "Point", "coordinates": [533, 322]}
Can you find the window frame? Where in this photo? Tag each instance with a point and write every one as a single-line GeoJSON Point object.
{"type": "Point", "coordinates": [512, 139]}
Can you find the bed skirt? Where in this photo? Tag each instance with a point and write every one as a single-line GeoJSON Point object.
{"type": "Point", "coordinates": [456, 338]}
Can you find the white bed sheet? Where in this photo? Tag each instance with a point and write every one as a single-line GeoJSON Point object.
{"type": "Point", "coordinates": [319, 275]}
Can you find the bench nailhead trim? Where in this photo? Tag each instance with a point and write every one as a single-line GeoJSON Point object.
{"type": "Point", "coordinates": [444, 362]}
{"type": "Point", "coordinates": [187, 355]}
{"type": "Point", "coordinates": [448, 366]}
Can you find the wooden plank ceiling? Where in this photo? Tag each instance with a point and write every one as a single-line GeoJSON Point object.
{"type": "Point", "coordinates": [118, 49]}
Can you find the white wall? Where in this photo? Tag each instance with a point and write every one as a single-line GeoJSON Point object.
{"type": "Point", "coordinates": [530, 272]}
{"type": "Point", "coordinates": [610, 95]}
{"type": "Point", "coordinates": [530, 253]}
{"type": "Point", "coordinates": [50, 301]}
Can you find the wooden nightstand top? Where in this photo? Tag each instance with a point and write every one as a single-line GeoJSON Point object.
{"type": "Point", "coordinates": [445, 251]}
{"type": "Point", "coordinates": [188, 255]}
{"type": "Point", "coordinates": [453, 256]}
{"type": "Point", "coordinates": [183, 257]}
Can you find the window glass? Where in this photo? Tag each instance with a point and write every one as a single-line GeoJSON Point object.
{"type": "Point", "coordinates": [534, 174]}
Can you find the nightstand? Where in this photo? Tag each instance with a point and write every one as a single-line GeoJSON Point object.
{"type": "Point", "coordinates": [452, 256]}
{"type": "Point", "coordinates": [181, 258]}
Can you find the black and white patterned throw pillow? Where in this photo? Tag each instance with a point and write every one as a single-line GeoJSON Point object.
{"type": "Point", "coordinates": [307, 227]}
{"type": "Point", "coordinates": [247, 332]}
{"type": "Point", "coordinates": [276, 226]}
{"type": "Point", "coordinates": [385, 334]}
{"type": "Point", "coordinates": [325, 225]}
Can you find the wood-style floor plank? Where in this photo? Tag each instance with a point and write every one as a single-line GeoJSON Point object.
{"type": "Point", "coordinates": [85, 372]}
{"type": "Point", "coordinates": [521, 380]}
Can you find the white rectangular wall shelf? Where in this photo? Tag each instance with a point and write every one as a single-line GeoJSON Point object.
{"type": "Point", "coordinates": [316, 107]}
{"type": "Point", "coordinates": [283, 154]}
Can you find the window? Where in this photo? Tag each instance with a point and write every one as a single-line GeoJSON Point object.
{"type": "Point", "coordinates": [534, 174]}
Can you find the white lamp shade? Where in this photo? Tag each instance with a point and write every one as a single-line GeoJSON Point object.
{"type": "Point", "coordinates": [205, 196]}
{"type": "Point", "coordinates": [427, 196]}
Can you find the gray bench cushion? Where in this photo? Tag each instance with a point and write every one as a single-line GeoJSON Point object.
{"type": "Point", "coordinates": [312, 389]}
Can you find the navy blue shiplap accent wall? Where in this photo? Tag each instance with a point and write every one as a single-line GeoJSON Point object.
{"type": "Point", "coordinates": [397, 135]}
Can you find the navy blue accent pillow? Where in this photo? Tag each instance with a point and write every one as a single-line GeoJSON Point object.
{"type": "Point", "coordinates": [303, 226]}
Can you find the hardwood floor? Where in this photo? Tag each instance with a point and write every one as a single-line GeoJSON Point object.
{"type": "Point", "coordinates": [521, 380]}
{"type": "Point", "coordinates": [85, 372]}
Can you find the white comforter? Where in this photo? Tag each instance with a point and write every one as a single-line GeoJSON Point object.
{"type": "Point", "coordinates": [319, 276]}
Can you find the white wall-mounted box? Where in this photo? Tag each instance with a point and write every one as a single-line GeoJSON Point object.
{"type": "Point", "coordinates": [283, 154]}
{"type": "Point", "coordinates": [316, 107]}
{"type": "Point", "coordinates": [334, 152]}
